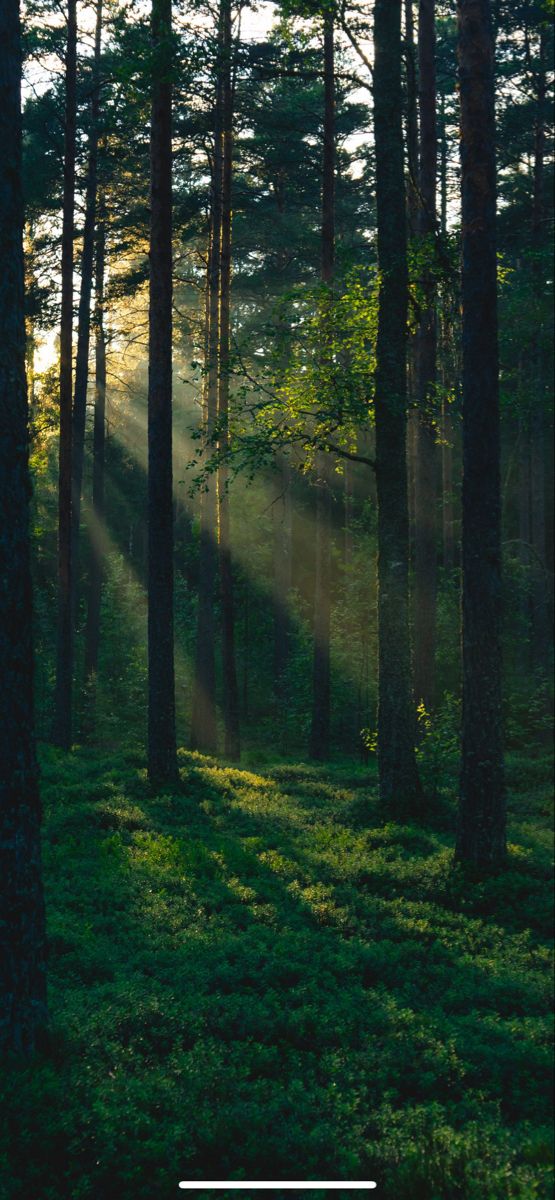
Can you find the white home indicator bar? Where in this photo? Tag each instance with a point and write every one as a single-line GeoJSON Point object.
{"type": "Point", "coordinates": [281, 1185]}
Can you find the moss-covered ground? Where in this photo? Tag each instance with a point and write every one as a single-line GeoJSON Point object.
{"type": "Point", "coordinates": [254, 977]}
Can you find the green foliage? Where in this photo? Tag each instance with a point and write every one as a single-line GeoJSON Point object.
{"type": "Point", "coordinates": [245, 980]}
{"type": "Point", "coordinates": [438, 744]}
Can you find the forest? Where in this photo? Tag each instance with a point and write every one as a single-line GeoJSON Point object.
{"type": "Point", "coordinates": [276, 598]}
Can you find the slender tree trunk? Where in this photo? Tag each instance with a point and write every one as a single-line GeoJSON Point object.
{"type": "Point", "coordinates": [162, 761]}
{"type": "Point", "coordinates": [399, 784]}
{"type": "Point", "coordinates": [481, 836]}
{"type": "Point", "coordinates": [203, 723]}
{"type": "Point", "coordinates": [412, 214]}
{"type": "Point", "coordinates": [447, 488]}
{"type": "Point", "coordinates": [22, 935]}
{"type": "Point", "coordinates": [246, 651]}
{"type": "Point", "coordinates": [84, 319]}
{"type": "Point", "coordinates": [425, 547]}
{"type": "Point", "coordinates": [30, 332]}
{"type": "Point", "coordinates": [321, 678]}
{"type": "Point", "coordinates": [96, 571]}
{"type": "Point", "coordinates": [412, 450]}
{"type": "Point", "coordinates": [282, 521]}
{"type": "Point", "coordinates": [282, 574]}
{"type": "Point", "coordinates": [443, 166]}
{"type": "Point", "coordinates": [321, 683]}
{"type": "Point", "coordinates": [61, 728]}
{"type": "Point", "coordinates": [525, 539]}
{"type": "Point", "coordinates": [541, 632]}
{"type": "Point", "coordinates": [348, 495]}
{"type": "Point", "coordinates": [447, 427]}
{"type": "Point", "coordinates": [412, 118]}
{"type": "Point", "coordinates": [231, 691]}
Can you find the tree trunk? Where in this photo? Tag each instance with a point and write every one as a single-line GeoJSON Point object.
{"type": "Point", "coordinates": [231, 691]}
{"type": "Point", "coordinates": [412, 215]}
{"type": "Point", "coordinates": [61, 728]}
{"type": "Point", "coordinates": [162, 761]}
{"type": "Point", "coordinates": [96, 570]}
{"type": "Point", "coordinates": [399, 784]}
{"type": "Point", "coordinates": [412, 118]}
{"type": "Point", "coordinates": [321, 687]}
{"type": "Point", "coordinates": [447, 488]}
{"type": "Point", "coordinates": [321, 682]}
{"type": "Point", "coordinates": [84, 318]}
{"type": "Point", "coordinates": [22, 934]}
{"type": "Point", "coordinates": [481, 836]}
{"type": "Point", "coordinates": [541, 631]}
{"type": "Point", "coordinates": [203, 722]}
{"type": "Point", "coordinates": [282, 574]}
{"type": "Point", "coordinates": [425, 548]}
{"type": "Point", "coordinates": [246, 651]}
{"type": "Point", "coordinates": [447, 426]}
{"type": "Point", "coordinates": [348, 514]}
{"type": "Point", "coordinates": [443, 166]}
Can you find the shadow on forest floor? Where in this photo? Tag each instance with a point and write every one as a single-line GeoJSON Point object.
{"type": "Point", "coordinates": [249, 980]}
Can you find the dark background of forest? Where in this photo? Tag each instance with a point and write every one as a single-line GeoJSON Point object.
{"type": "Point", "coordinates": [287, 934]}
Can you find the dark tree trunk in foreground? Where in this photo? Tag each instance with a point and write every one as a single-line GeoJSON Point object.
{"type": "Point", "coordinates": [92, 632]}
{"type": "Point", "coordinates": [399, 784]}
{"type": "Point", "coordinates": [162, 761]}
{"type": "Point", "coordinates": [204, 736]}
{"type": "Point", "coordinates": [61, 729]}
{"type": "Point", "coordinates": [425, 528]}
{"type": "Point", "coordinates": [320, 726]}
{"type": "Point", "coordinates": [232, 743]}
{"type": "Point", "coordinates": [481, 837]}
{"type": "Point", "coordinates": [84, 318]}
{"type": "Point", "coordinates": [22, 938]}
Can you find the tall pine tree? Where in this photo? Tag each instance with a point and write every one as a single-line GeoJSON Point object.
{"type": "Point", "coordinates": [481, 837]}
{"type": "Point", "coordinates": [22, 940]}
{"type": "Point", "coordinates": [162, 759]}
{"type": "Point", "coordinates": [398, 777]}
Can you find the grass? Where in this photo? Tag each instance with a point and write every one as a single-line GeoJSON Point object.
{"type": "Point", "coordinates": [255, 977]}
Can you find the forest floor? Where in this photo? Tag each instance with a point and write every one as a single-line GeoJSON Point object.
{"type": "Point", "coordinates": [254, 977]}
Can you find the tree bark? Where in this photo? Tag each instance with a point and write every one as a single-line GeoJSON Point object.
{"type": "Point", "coordinates": [203, 722]}
{"type": "Point", "coordinates": [282, 516]}
{"type": "Point", "coordinates": [447, 425]}
{"type": "Point", "coordinates": [96, 570]}
{"type": "Point", "coordinates": [425, 547]}
{"type": "Point", "coordinates": [412, 215]}
{"type": "Point", "coordinates": [447, 488]}
{"type": "Point", "coordinates": [398, 778]}
{"type": "Point", "coordinates": [162, 760]}
{"type": "Point", "coordinates": [321, 682]}
{"type": "Point", "coordinates": [61, 729]}
{"type": "Point", "coordinates": [22, 933]}
{"type": "Point", "coordinates": [541, 630]}
{"type": "Point", "coordinates": [231, 692]}
{"type": "Point", "coordinates": [412, 118]}
{"type": "Point", "coordinates": [84, 316]}
{"type": "Point", "coordinates": [481, 835]}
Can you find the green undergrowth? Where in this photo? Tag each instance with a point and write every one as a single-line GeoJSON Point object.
{"type": "Point", "coordinates": [255, 977]}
